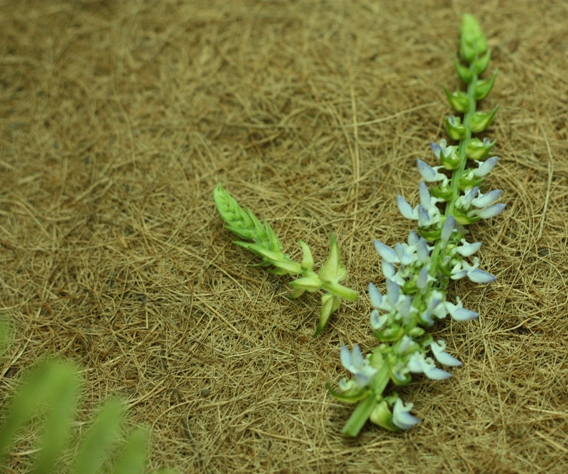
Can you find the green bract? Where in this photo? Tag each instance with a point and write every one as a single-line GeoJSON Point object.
{"type": "Point", "coordinates": [419, 271]}
{"type": "Point", "coordinates": [266, 245]}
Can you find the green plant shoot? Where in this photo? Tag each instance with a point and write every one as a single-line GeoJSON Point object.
{"type": "Point", "coordinates": [266, 245]}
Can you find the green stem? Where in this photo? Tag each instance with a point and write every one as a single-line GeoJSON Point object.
{"type": "Point", "coordinates": [360, 416]}
{"type": "Point", "coordinates": [363, 411]}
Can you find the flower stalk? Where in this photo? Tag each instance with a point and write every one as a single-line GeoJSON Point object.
{"type": "Point", "coordinates": [419, 272]}
{"type": "Point", "coordinates": [266, 245]}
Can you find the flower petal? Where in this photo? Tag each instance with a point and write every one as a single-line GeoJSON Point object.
{"type": "Point", "coordinates": [425, 198]}
{"type": "Point", "coordinates": [485, 167]}
{"type": "Point", "coordinates": [479, 276]}
{"type": "Point", "coordinates": [426, 171]}
{"type": "Point", "coordinates": [468, 250]}
{"type": "Point", "coordinates": [423, 216]}
{"type": "Point", "coordinates": [387, 253]}
{"type": "Point", "coordinates": [405, 208]}
{"type": "Point", "coordinates": [443, 357]}
{"type": "Point", "coordinates": [448, 228]}
{"type": "Point", "coordinates": [375, 296]}
{"type": "Point", "coordinates": [345, 357]}
{"type": "Point", "coordinates": [487, 199]}
{"type": "Point", "coordinates": [492, 211]}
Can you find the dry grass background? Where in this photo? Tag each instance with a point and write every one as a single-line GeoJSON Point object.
{"type": "Point", "coordinates": [117, 120]}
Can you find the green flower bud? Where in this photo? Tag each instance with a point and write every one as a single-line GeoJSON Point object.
{"type": "Point", "coordinates": [481, 120]}
{"type": "Point", "coordinates": [443, 193]}
{"type": "Point", "coordinates": [469, 183]}
{"type": "Point", "coordinates": [307, 260]}
{"type": "Point", "coordinates": [484, 87]}
{"type": "Point", "coordinates": [464, 73]}
{"type": "Point", "coordinates": [382, 416]}
{"type": "Point", "coordinates": [450, 161]}
{"type": "Point", "coordinates": [458, 100]}
{"type": "Point", "coordinates": [480, 65]}
{"type": "Point", "coordinates": [479, 150]}
{"type": "Point", "coordinates": [393, 333]}
{"type": "Point", "coordinates": [430, 234]}
{"type": "Point", "coordinates": [416, 332]}
{"type": "Point", "coordinates": [329, 303]}
{"type": "Point", "coordinates": [473, 40]}
{"type": "Point", "coordinates": [454, 128]}
{"type": "Point", "coordinates": [288, 266]}
{"type": "Point", "coordinates": [333, 269]}
{"type": "Point", "coordinates": [262, 251]}
{"type": "Point", "coordinates": [464, 219]}
{"type": "Point", "coordinates": [354, 395]}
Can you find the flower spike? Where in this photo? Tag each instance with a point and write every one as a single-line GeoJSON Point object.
{"type": "Point", "coordinates": [451, 196]}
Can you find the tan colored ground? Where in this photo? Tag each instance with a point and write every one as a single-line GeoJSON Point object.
{"type": "Point", "coordinates": [117, 119]}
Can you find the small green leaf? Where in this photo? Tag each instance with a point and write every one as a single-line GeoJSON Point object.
{"type": "Point", "coordinates": [99, 438]}
{"type": "Point", "coordinates": [308, 259]}
{"type": "Point", "coordinates": [352, 397]}
{"type": "Point", "coordinates": [311, 283]}
{"type": "Point", "coordinates": [133, 457]}
{"type": "Point", "coordinates": [327, 305]}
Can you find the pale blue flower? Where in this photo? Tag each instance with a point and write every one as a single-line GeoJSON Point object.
{"type": "Point", "coordinates": [462, 268]}
{"type": "Point", "coordinates": [386, 253]}
{"type": "Point", "coordinates": [464, 202]}
{"type": "Point", "coordinates": [426, 213]}
{"type": "Point", "coordinates": [378, 321]}
{"type": "Point", "coordinates": [484, 200]}
{"type": "Point", "coordinates": [443, 149]}
{"type": "Point", "coordinates": [355, 363]}
{"type": "Point", "coordinates": [458, 312]}
{"type": "Point", "coordinates": [485, 167]}
{"type": "Point", "coordinates": [418, 364]}
{"type": "Point", "coordinates": [431, 174]}
{"type": "Point", "coordinates": [492, 211]}
{"type": "Point", "coordinates": [466, 249]}
{"type": "Point", "coordinates": [422, 251]}
{"type": "Point", "coordinates": [406, 209]}
{"type": "Point", "coordinates": [391, 274]}
{"type": "Point", "coordinates": [375, 296]}
{"type": "Point", "coordinates": [441, 356]}
{"type": "Point", "coordinates": [448, 228]}
{"type": "Point", "coordinates": [424, 278]}
{"type": "Point", "coordinates": [401, 416]}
